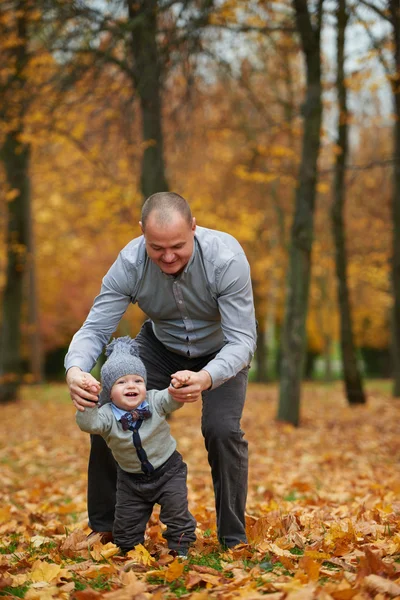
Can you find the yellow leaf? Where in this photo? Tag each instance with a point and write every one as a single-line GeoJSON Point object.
{"type": "Point", "coordinates": [317, 555]}
{"type": "Point", "coordinates": [95, 570]}
{"type": "Point", "coordinates": [44, 571]}
{"type": "Point", "coordinates": [19, 579]}
{"type": "Point", "coordinates": [100, 551]}
{"type": "Point", "coordinates": [174, 570]}
{"type": "Point", "coordinates": [5, 514]}
{"type": "Point", "coordinates": [139, 554]}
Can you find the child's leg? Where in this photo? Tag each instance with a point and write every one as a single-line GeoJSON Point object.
{"type": "Point", "coordinates": [132, 512]}
{"type": "Point", "coordinates": [181, 525]}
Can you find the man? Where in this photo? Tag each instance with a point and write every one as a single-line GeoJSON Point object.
{"type": "Point", "coordinates": [194, 285]}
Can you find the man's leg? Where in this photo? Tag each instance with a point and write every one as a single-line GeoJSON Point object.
{"type": "Point", "coordinates": [227, 455]}
{"type": "Point", "coordinates": [102, 482]}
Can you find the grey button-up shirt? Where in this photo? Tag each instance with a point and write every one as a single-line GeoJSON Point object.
{"type": "Point", "coordinates": [207, 308]}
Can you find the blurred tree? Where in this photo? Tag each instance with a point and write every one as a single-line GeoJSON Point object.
{"type": "Point", "coordinates": [389, 11]}
{"type": "Point", "coordinates": [294, 329]}
{"type": "Point", "coordinates": [146, 73]}
{"type": "Point", "coordinates": [144, 39]}
{"type": "Point", "coordinates": [15, 22]}
{"type": "Point", "coordinates": [351, 374]}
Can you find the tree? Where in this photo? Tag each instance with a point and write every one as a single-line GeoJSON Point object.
{"type": "Point", "coordinates": [147, 79]}
{"type": "Point", "coordinates": [15, 155]}
{"type": "Point", "coordinates": [352, 377]}
{"type": "Point", "coordinates": [294, 330]}
{"type": "Point", "coordinates": [390, 12]}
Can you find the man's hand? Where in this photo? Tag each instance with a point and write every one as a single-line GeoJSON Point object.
{"type": "Point", "coordinates": [186, 386]}
{"type": "Point", "coordinates": [83, 388]}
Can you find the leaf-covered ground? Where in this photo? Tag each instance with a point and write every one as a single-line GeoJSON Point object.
{"type": "Point", "coordinates": [323, 506]}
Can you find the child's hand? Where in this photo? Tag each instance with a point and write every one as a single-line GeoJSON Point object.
{"type": "Point", "coordinates": [89, 385]}
{"type": "Point", "coordinates": [180, 379]}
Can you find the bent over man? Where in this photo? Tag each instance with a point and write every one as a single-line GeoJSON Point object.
{"type": "Point", "coordinates": [194, 285]}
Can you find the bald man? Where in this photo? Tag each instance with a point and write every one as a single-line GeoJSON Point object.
{"type": "Point", "coordinates": [194, 285]}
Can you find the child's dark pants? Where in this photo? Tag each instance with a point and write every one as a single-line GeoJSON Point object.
{"type": "Point", "coordinates": [136, 496]}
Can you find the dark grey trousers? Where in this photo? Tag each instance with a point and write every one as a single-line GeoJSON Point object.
{"type": "Point", "coordinates": [220, 426]}
{"type": "Point", "coordinates": [136, 496]}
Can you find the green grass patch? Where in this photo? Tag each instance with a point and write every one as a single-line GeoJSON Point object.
{"type": "Point", "coordinates": [79, 584]}
{"type": "Point", "coordinates": [296, 551]}
{"type": "Point", "coordinates": [177, 587]}
{"type": "Point", "coordinates": [11, 547]}
{"type": "Point", "coordinates": [100, 583]}
{"type": "Point", "coordinates": [291, 497]}
{"type": "Point", "coordinates": [15, 592]}
{"type": "Point", "coordinates": [328, 565]}
{"type": "Point", "coordinates": [212, 560]}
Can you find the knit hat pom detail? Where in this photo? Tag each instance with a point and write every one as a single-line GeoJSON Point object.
{"type": "Point", "coordinates": [123, 344]}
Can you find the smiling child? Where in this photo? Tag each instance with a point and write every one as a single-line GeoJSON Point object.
{"type": "Point", "coordinates": [149, 468]}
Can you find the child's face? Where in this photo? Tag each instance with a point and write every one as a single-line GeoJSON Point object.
{"type": "Point", "coordinates": [128, 392]}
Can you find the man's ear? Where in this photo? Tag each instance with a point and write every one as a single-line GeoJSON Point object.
{"type": "Point", "coordinates": [141, 226]}
{"type": "Point", "coordinates": [193, 224]}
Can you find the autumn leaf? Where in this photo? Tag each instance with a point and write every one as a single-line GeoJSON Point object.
{"type": "Point", "coordinates": [101, 551]}
{"type": "Point", "coordinates": [174, 570]}
{"type": "Point", "coordinates": [48, 572]}
{"type": "Point", "coordinates": [141, 555]}
{"type": "Point", "coordinates": [379, 585]}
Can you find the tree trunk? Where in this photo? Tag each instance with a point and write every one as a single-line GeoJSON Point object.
{"type": "Point", "coordinates": [35, 339]}
{"type": "Point", "coordinates": [147, 77]}
{"type": "Point", "coordinates": [294, 329]}
{"type": "Point", "coordinates": [351, 374]}
{"type": "Point", "coordinates": [15, 156]}
{"type": "Point", "coordinates": [394, 6]}
{"type": "Point", "coordinates": [16, 160]}
{"type": "Point", "coordinates": [261, 357]}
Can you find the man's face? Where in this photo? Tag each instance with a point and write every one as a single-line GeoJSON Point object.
{"type": "Point", "coordinates": [170, 245]}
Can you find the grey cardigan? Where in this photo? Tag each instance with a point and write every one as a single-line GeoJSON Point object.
{"type": "Point", "coordinates": [154, 432]}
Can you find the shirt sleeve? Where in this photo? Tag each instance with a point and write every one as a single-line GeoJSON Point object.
{"type": "Point", "coordinates": [236, 307]}
{"type": "Point", "coordinates": [94, 420]}
{"type": "Point", "coordinates": [102, 320]}
{"type": "Point", "coordinates": [163, 402]}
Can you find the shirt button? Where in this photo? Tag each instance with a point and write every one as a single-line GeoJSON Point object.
{"type": "Point", "coordinates": [180, 301]}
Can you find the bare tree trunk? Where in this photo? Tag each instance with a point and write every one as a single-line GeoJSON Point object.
{"type": "Point", "coordinates": [294, 329]}
{"type": "Point", "coordinates": [261, 356]}
{"type": "Point", "coordinates": [351, 374]}
{"type": "Point", "coordinates": [394, 6]}
{"type": "Point", "coordinates": [35, 346]}
{"type": "Point", "coordinates": [147, 77]}
{"type": "Point", "coordinates": [15, 156]}
{"type": "Point", "coordinates": [16, 160]}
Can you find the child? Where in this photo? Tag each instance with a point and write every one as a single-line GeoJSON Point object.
{"type": "Point", "coordinates": [150, 470]}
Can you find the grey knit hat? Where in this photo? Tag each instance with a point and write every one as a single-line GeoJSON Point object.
{"type": "Point", "coordinates": [123, 359]}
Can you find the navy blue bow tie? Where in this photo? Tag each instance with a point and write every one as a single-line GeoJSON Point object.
{"type": "Point", "coordinates": [129, 418]}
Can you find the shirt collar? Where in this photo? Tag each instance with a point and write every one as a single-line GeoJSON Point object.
{"type": "Point", "coordinates": [118, 412]}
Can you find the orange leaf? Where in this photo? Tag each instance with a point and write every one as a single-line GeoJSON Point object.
{"type": "Point", "coordinates": [174, 570]}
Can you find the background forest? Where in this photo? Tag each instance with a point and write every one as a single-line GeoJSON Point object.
{"type": "Point", "coordinates": [278, 121]}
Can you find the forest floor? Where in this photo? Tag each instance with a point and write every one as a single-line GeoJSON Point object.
{"type": "Point", "coordinates": [323, 512]}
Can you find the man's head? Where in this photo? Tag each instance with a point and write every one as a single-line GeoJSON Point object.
{"type": "Point", "coordinates": [123, 375]}
{"type": "Point", "coordinates": [168, 227]}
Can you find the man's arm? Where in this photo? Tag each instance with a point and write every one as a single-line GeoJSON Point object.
{"type": "Point", "coordinates": [236, 307]}
{"type": "Point", "coordinates": [88, 342]}
{"type": "Point", "coordinates": [238, 323]}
